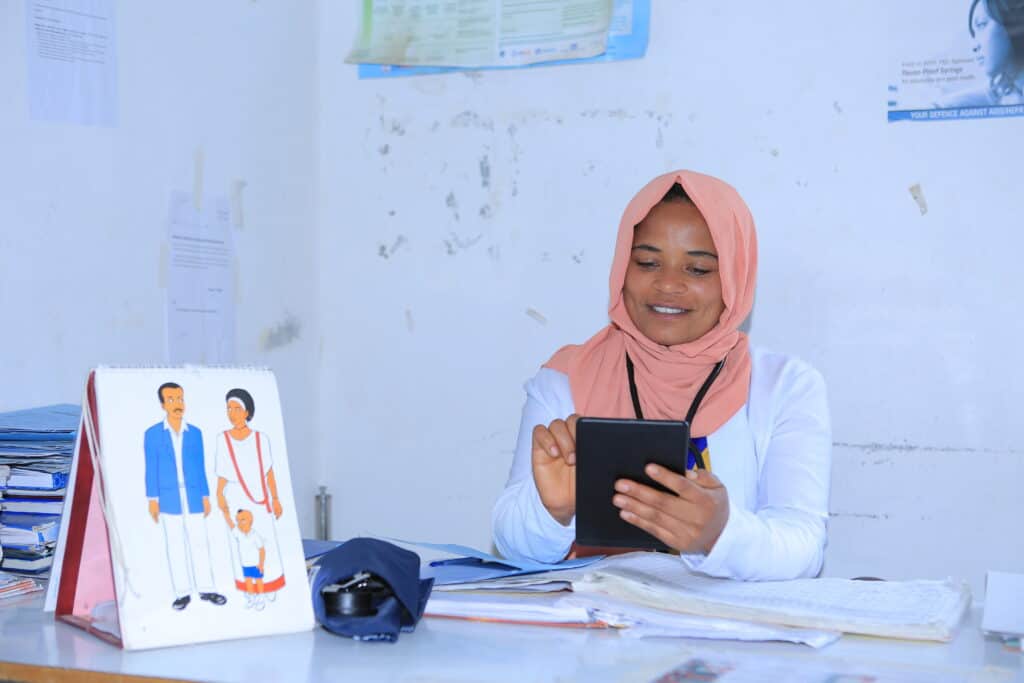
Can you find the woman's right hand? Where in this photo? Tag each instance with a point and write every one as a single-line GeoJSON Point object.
{"type": "Point", "coordinates": [554, 467]}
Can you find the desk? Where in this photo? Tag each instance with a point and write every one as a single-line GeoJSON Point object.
{"type": "Point", "coordinates": [450, 650]}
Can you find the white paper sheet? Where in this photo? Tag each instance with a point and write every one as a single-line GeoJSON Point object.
{"type": "Point", "coordinates": [1004, 604]}
{"type": "Point", "coordinates": [901, 609]}
{"type": "Point", "coordinates": [200, 282]}
{"type": "Point", "coordinates": [72, 61]}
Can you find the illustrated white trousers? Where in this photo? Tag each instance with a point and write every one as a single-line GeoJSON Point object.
{"type": "Point", "coordinates": [188, 553]}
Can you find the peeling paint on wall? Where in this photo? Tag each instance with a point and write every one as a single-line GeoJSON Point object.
{"type": "Point", "coordinates": [485, 172]}
{"type": "Point", "coordinates": [470, 119]}
{"type": "Point", "coordinates": [860, 515]}
{"type": "Point", "coordinates": [384, 251]}
{"type": "Point", "coordinates": [452, 204]}
{"type": "Point", "coordinates": [282, 334]}
{"type": "Point", "coordinates": [911, 448]}
{"type": "Point", "coordinates": [393, 126]}
{"type": "Point", "coordinates": [918, 194]}
{"type": "Point", "coordinates": [455, 243]}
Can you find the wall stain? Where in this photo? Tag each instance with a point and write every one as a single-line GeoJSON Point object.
{"type": "Point", "coordinates": [485, 211]}
{"type": "Point", "coordinates": [383, 150]}
{"type": "Point", "coordinates": [911, 448]}
{"type": "Point", "coordinates": [485, 172]}
{"type": "Point", "coordinates": [860, 515]}
{"type": "Point", "coordinates": [659, 142]}
{"type": "Point", "coordinates": [434, 126]}
{"type": "Point", "coordinates": [835, 105]}
{"type": "Point", "coordinates": [410, 324]}
{"type": "Point", "coordinates": [452, 204]}
{"type": "Point", "coordinates": [775, 151]}
{"type": "Point", "coordinates": [455, 243]}
{"type": "Point", "coordinates": [384, 251]}
{"type": "Point", "coordinates": [494, 251]}
{"type": "Point", "coordinates": [918, 194]}
{"type": "Point", "coordinates": [393, 126]}
{"type": "Point", "coordinates": [470, 119]}
{"type": "Point", "coordinates": [282, 334]}
{"type": "Point", "coordinates": [578, 256]}
{"type": "Point", "coordinates": [391, 212]}
{"type": "Point", "coordinates": [620, 114]}
{"type": "Point", "coordinates": [537, 315]}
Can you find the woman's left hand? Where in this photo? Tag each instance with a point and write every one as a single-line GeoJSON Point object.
{"type": "Point", "coordinates": [689, 522]}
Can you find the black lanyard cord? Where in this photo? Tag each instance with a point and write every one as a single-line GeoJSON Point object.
{"type": "Point", "coordinates": [690, 414]}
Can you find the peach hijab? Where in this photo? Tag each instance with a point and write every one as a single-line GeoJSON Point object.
{"type": "Point", "coordinates": [668, 378]}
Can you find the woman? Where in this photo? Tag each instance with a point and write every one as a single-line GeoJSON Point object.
{"type": "Point", "coordinates": [997, 32]}
{"type": "Point", "coordinates": [682, 282]}
{"type": "Point", "coordinates": [246, 482]}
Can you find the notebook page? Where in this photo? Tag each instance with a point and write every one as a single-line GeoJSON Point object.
{"type": "Point", "coordinates": [927, 609]}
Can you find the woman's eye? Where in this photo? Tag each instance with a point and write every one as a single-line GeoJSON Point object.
{"type": "Point", "coordinates": [694, 270]}
{"type": "Point", "coordinates": [647, 265]}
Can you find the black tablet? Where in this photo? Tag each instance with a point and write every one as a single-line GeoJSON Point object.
{"type": "Point", "coordinates": [611, 449]}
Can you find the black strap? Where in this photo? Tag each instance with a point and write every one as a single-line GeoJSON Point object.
{"type": "Point", "coordinates": [694, 405]}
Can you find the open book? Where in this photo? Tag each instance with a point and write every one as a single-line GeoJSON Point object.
{"type": "Point", "coordinates": [918, 610]}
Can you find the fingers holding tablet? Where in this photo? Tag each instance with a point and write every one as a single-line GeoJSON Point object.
{"type": "Point", "coordinates": [554, 465]}
{"type": "Point", "coordinates": [689, 519]}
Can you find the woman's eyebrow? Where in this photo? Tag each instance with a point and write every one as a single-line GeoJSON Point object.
{"type": "Point", "coordinates": [703, 253]}
{"type": "Point", "coordinates": [646, 247]}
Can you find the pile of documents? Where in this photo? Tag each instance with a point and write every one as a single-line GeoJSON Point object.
{"type": "Point", "coordinates": [12, 586]}
{"type": "Point", "coordinates": [654, 594]}
{"type": "Point", "coordinates": [35, 458]}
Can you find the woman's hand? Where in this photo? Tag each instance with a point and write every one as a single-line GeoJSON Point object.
{"type": "Point", "coordinates": [554, 467]}
{"type": "Point", "coordinates": [690, 522]}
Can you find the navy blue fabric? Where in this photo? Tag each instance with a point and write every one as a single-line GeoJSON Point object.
{"type": "Point", "coordinates": [398, 567]}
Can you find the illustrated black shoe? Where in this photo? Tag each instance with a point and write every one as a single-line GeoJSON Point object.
{"type": "Point", "coordinates": [181, 603]}
{"type": "Point", "coordinates": [215, 598]}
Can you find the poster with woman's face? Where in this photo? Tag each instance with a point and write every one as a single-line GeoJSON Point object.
{"type": "Point", "coordinates": [955, 59]}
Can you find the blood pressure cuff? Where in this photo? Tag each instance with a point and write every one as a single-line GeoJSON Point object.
{"type": "Point", "coordinates": [399, 611]}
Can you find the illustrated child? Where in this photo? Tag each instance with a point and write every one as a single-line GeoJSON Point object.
{"type": "Point", "coordinates": [253, 555]}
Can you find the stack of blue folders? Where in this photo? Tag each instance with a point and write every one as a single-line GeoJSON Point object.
{"type": "Point", "coordinates": [35, 458]}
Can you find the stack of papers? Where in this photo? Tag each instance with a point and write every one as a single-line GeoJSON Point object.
{"type": "Point", "coordinates": [923, 610]}
{"type": "Point", "coordinates": [653, 594]}
{"type": "Point", "coordinates": [11, 585]}
{"type": "Point", "coordinates": [35, 458]}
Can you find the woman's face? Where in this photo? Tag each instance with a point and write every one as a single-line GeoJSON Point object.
{"type": "Point", "coordinates": [992, 47]}
{"type": "Point", "coordinates": [673, 292]}
{"type": "Point", "coordinates": [236, 414]}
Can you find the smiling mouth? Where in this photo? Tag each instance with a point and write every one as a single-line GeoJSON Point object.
{"type": "Point", "coordinates": [668, 310]}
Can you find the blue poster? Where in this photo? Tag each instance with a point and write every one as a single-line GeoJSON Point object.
{"type": "Point", "coordinates": [627, 39]}
{"type": "Point", "coordinates": [955, 59]}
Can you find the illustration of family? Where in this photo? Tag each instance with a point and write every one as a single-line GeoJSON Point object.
{"type": "Point", "coordinates": [179, 500]}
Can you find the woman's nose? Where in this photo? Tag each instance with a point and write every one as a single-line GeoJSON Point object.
{"type": "Point", "coordinates": [670, 283]}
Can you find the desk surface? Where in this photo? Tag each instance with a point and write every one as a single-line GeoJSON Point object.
{"type": "Point", "coordinates": [450, 650]}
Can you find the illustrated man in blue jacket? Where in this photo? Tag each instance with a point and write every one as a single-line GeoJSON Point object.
{"type": "Point", "coordinates": [179, 498]}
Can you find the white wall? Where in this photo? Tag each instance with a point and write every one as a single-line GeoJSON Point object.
{"type": "Point", "coordinates": [83, 210]}
{"type": "Point", "coordinates": [451, 206]}
{"type": "Point", "coordinates": [435, 239]}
